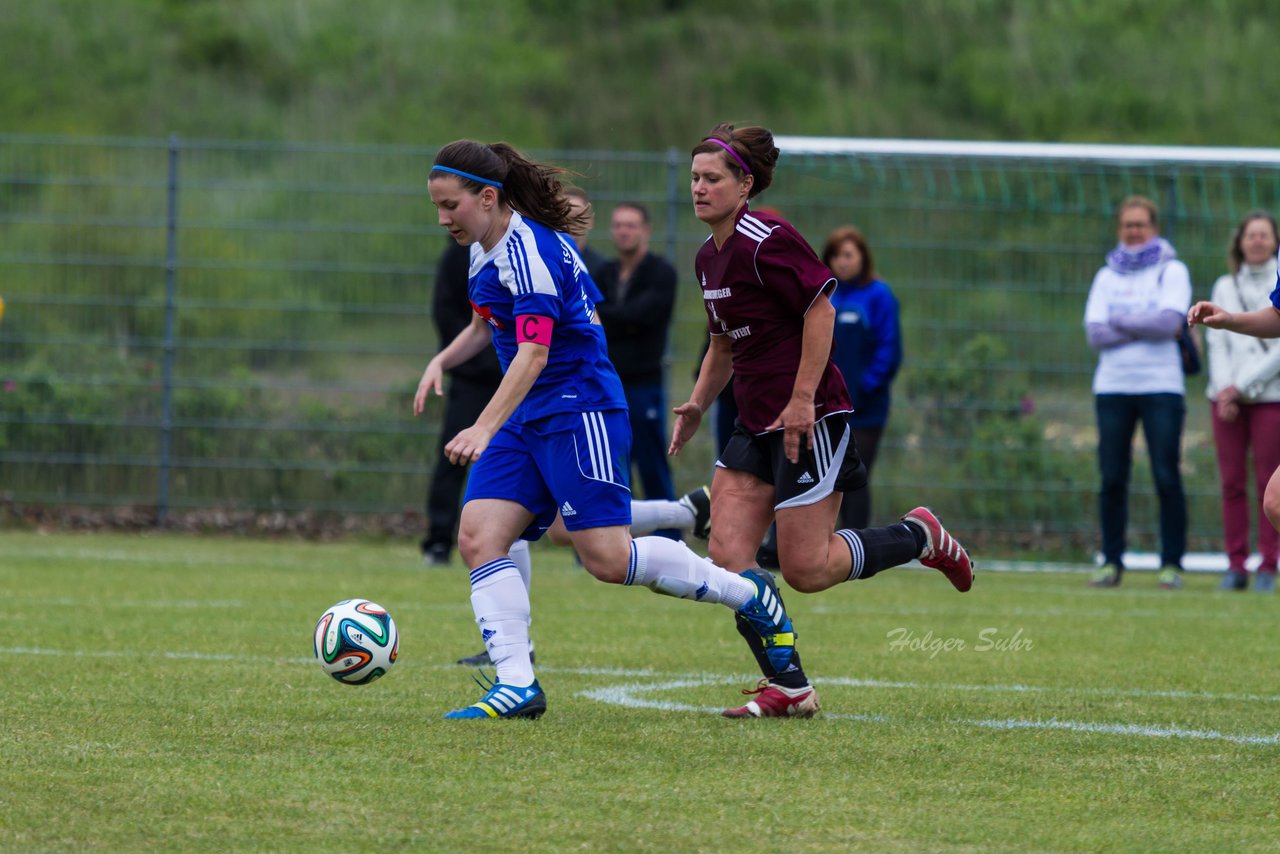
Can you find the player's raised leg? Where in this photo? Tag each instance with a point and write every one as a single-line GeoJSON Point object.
{"type": "Point", "coordinates": [672, 569]}
{"type": "Point", "coordinates": [690, 514]}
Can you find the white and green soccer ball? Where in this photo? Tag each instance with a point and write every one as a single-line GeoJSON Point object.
{"type": "Point", "coordinates": [356, 641]}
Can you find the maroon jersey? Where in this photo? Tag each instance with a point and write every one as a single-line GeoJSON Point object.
{"type": "Point", "coordinates": [757, 289]}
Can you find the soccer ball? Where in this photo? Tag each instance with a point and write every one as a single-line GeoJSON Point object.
{"type": "Point", "coordinates": [356, 641]}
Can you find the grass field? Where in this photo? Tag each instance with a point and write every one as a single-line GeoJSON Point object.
{"type": "Point", "coordinates": [159, 693]}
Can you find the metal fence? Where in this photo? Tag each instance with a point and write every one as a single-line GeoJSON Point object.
{"type": "Point", "coordinates": [198, 324]}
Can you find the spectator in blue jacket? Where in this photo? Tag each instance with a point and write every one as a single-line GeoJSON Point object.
{"type": "Point", "coordinates": [868, 351]}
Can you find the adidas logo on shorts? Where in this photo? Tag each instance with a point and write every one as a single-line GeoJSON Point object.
{"type": "Point", "coordinates": [566, 509]}
{"type": "Point", "coordinates": [805, 478]}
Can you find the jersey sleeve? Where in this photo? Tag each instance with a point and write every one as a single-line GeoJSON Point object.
{"type": "Point", "coordinates": [787, 264]}
{"type": "Point", "coordinates": [533, 278]}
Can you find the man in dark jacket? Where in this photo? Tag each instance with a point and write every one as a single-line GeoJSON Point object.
{"type": "Point", "coordinates": [470, 387]}
{"type": "Point", "coordinates": [639, 296]}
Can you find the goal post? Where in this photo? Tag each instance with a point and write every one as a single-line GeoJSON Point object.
{"type": "Point", "coordinates": [990, 248]}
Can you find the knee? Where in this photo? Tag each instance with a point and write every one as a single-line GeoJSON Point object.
{"type": "Point", "coordinates": [605, 568]}
{"type": "Point", "coordinates": [805, 579]}
{"type": "Point", "coordinates": [559, 536]}
{"type": "Point", "coordinates": [729, 555]}
{"type": "Point", "coordinates": [469, 547]}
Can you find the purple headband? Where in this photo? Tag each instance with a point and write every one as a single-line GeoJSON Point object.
{"type": "Point", "coordinates": [729, 148]}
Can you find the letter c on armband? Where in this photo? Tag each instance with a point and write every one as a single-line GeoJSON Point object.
{"type": "Point", "coordinates": [535, 328]}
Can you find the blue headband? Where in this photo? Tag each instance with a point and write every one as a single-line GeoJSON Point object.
{"type": "Point", "coordinates": [489, 181]}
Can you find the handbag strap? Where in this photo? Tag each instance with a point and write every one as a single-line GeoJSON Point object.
{"type": "Point", "coordinates": [1235, 280]}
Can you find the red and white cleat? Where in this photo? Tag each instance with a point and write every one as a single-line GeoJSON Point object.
{"type": "Point", "coordinates": [772, 702]}
{"type": "Point", "coordinates": [942, 551]}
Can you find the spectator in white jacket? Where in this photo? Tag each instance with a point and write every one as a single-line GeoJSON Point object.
{"type": "Point", "coordinates": [1244, 387]}
{"type": "Point", "coordinates": [1136, 308]}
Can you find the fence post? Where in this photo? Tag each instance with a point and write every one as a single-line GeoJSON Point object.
{"type": "Point", "coordinates": [170, 309]}
{"type": "Point", "coordinates": [673, 201]}
{"type": "Point", "coordinates": [1170, 203]}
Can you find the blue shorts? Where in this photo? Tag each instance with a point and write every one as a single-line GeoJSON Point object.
{"type": "Point", "coordinates": [575, 463]}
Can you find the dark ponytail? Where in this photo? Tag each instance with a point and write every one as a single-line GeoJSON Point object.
{"type": "Point", "coordinates": [753, 146]}
{"type": "Point", "coordinates": [533, 189]}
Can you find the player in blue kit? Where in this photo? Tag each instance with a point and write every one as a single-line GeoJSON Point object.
{"type": "Point", "coordinates": [555, 436]}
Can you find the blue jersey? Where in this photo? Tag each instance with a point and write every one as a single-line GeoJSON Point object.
{"type": "Point", "coordinates": [868, 347]}
{"type": "Point", "coordinates": [536, 271]}
{"type": "Point", "coordinates": [1275, 294]}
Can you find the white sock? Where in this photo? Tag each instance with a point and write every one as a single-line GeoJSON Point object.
{"type": "Point", "coordinates": [649, 516]}
{"type": "Point", "coordinates": [501, 605]}
{"type": "Point", "coordinates": [519, 554]}
{"type": "Point", "coordinates": [673, 569]}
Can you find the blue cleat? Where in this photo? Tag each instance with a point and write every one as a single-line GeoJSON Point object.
{"type": "Point", "coordinates": [504, 701]}
{"type": "Point", "coordinates": [768, 618]}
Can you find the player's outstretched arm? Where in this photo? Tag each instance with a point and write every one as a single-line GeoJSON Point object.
{"type": "Point", "coordinates": [1263, 323]}
{"type": "Point", "coordinates": [713, 376]}
{"type": "Point", "coordinates": [470, 341]}
{"type": "Point", "coordinates": [521, 374]}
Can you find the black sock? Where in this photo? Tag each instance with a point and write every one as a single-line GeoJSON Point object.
{"type": "Point", "coordinates": [918, 533]}
{"type": "Point", "coordinates": [883, 548]}
{"type": "Point", "coordinates": [755, 645]}
{"type": "Point", "coordinates": [793, 676]}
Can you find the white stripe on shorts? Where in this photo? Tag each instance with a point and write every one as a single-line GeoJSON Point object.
{"type": "Point", "coordinates": [598, 451]}
{"type": "Point", "coordinates": [833, 461]}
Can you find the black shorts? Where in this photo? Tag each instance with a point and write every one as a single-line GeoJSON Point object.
{"type": "Point", "coordinates": [831, 465]}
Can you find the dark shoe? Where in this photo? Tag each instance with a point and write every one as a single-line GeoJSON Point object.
{"type": "Point", "coordinates": [767, 558]}
{"type": "Point", "coordinates": [436, 554]}
{"type": "Point", "coordinates": [481, 659]}
{"type": "Point", "coordinates": [1234, 579]}
{"type": "Point", "coordinates": [1108, 575]}
{"type": "Point", "coordinates": [1264, 582]}
{"type": "Point", "coordinates": [699, 503]}
{"type": "Point", "coordinates": [767, 554]}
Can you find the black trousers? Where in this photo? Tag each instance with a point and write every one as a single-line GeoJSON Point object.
{"type": "Point", "coordinates": [464, 402]}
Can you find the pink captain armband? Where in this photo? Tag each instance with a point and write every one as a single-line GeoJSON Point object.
{"type": "Point", "coordinates": [535, 328]}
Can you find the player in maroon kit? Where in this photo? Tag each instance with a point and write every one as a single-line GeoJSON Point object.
{"type": "Point", "coordinates": [791, 456]}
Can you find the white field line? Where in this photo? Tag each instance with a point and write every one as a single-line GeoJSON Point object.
{"type": "Point", "coordinates": [633, 695]}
